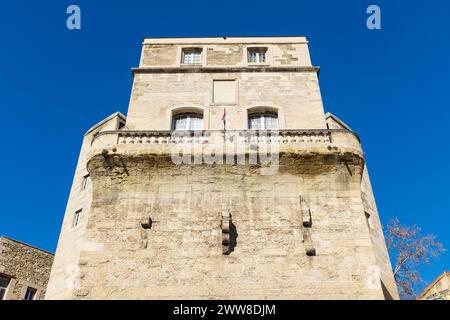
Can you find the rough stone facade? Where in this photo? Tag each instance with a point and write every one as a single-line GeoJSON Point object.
{"type": "Point", "coordinates": [302, 227]}
{"type": "Point", "coordinates": [24, 267]}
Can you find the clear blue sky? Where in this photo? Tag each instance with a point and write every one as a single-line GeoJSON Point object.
{"type": "Point", "coordinates": [391, 86]}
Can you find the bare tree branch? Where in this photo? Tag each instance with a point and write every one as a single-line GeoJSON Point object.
{"type": "Point", "coordinates": [410, 251]}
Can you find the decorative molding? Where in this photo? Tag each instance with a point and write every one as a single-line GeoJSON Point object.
{"type": "Point", "coordinates": [197, 69]}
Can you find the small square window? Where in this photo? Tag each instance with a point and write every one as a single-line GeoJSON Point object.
{"type": "Point", "coordinates": [76, 218]}
{"type": "Point", "coordinates": [257, 55]}
{"type": "Point", "coordinates": [191, 56]}
{"type": "Point", "coordinates": [30, 293]}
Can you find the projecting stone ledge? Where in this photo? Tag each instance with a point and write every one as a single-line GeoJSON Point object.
{"type": "Point", "coordinates": [214, 144]}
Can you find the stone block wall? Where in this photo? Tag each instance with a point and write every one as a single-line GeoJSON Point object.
{"type": "Point", "coordinates": [26, 267]}
{"type": "Point", "coordinates": [65, 269]}
{"type": "Point", "coordinates": [180, 256]}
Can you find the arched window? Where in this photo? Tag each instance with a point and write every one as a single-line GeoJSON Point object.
{"type": "Point", "coordinates": [263, 120]}
{"type": "Point", "coordinates": [187, 121]}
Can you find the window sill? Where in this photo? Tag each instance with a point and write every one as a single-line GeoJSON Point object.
{"type": "Point", "coordinates": [258, 64]}
{"type": "Point", "coordinates": [191, 65]}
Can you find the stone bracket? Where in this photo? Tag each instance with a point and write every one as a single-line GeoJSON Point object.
{"type": "Point", "coordinates": [226, 226]}
{"type": "Point", "coordinates": [307, 225]}
{"type": "Point", "coordinates": [146, 222]}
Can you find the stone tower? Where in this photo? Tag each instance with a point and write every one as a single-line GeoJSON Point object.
{"type": "Point", "coordinates": [226, 180]}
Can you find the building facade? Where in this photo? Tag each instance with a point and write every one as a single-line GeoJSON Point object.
{"type": "Point", "coordinates": [226, 180]}
{"type": "Point", "coordinates": [24, 270]}
{"type": "Point", "coordinates": [439, 289]}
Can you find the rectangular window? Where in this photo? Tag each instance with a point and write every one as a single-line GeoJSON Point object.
{"type": "Point", "coordinates": [86, 182]}
{"type": "Point", "coordinates": [256, 55]}
{"type": "Point", "coordinates": [4, 282]}
{"type": "Point", "coordinates": [369, 220]}
{"type": "Point", "coordinates": [76, 218]}
{"type": "Point", "coordinates": [263, 121]}
{"type": "Point", "coordinates": [191, 56]}
{"type": "Point", "coordinates": [188, 121]}
{"type": "Point", "coordinates": [30, 293]}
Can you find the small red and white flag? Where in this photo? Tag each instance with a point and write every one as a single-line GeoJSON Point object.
{"type": "Point", "coordinates": [224, 117]}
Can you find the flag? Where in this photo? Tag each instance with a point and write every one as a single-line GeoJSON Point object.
{"type": "Point", "coordinates": [224, 117]}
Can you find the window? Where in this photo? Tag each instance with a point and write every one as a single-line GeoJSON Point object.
{"type": "Point", "coordinates": [188, 121]}
{"type": "Point", "coordinates": [369, 220]}
{"type": "Point", "coordinates": [263, 121]}
{"type": "Point", "coordinates": [30, 293]}
{"type": "Point", "coordinates": [256, 55]}
{"type": "Point", "coordinates": [86, 182]}
{"type": "Point", "coordinates": [4, 282]}
{"type": "Point", "coordinates": [76, 218]}
{"type": "Point", "coordinates": [191, 56]}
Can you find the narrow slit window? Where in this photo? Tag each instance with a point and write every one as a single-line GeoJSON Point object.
{"type": "Point", "coordinates": [76, 218]}
{"type": "Point", "coordinates": [86, 182]}
{"type": "Point", "coordinates": [369, 220]}
{"type": "Point", "coordinates": [30, 293]}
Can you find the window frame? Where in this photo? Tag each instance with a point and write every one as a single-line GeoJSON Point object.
{"type": "Point", "coordinates": [86, 182]}
{"type": "Point", "coordinates": [259, 51]}
{"type": "Point", "coordinates": [76, 218]}
{"type": "Point", "coordinates": [189, 115]}
{"type": "Point", "coordinates": [369, 221]}
{"type": "Point", "coordinates": [4, 289]}
{"type": "Point", "coordinates": [30, 291]}
{"type": "Point", "coordinates": [262, 115]}
{"type": "Point", "coordinates": [191, 50]}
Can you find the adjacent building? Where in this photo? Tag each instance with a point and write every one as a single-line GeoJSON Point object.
{"type": "Point", "coordinates": [24, 270]}
{"type": "Point", "coordinates": [226, 180]}
{"type": "Point", "coordinates": [439, 289]}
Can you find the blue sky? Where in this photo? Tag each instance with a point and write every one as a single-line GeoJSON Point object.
{"type": "Point", "coordinates": [391, 86]}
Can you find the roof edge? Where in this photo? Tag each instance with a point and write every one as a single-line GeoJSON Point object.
{"type": "Point", "coordinates": [26, 244]}
{"type": "Point", "coordinates": [342, 123]}
{"type": "Point", "coordinates": [225, 39]}
{"type": "Point", "coordinates": [424, 292]}
{"type": "Point", "coordinates": [98, 124]}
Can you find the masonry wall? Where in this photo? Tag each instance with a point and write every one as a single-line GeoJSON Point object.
{"type": "Point", "coordinates": [151, 229]}
{"type": "Point", "coordinates": [229, 52]}
{"type": "Point", "coordinates": [375, 228]}
{"type": "Point", "coordinates": [26, 266]}
{"type": "Point", "coordinates": [65, 271]}
{"type": "Point", "coordinates": [287, 82]}
{"type": "Point", "coordinates": [180, 256]}
{"type": "Point", "coordinates": [295, 95]}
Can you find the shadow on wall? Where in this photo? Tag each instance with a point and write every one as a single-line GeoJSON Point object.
{"type": "Point", "coordinates": [233, 237]}
{"type": "Point", "coordinates": [387, 295]}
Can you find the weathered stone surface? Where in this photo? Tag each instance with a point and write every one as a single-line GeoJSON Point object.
{"type": "Point", "coordinates": [152, 228]}
{"type": "Point", "coordinates": [26, 267]}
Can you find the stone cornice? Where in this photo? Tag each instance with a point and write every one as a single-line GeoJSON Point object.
{"type": "Point", "coordinates": [222, 69]}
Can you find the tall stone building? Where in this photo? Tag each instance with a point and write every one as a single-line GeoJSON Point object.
{"type": "Point", "coordinates": [226, 180]}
